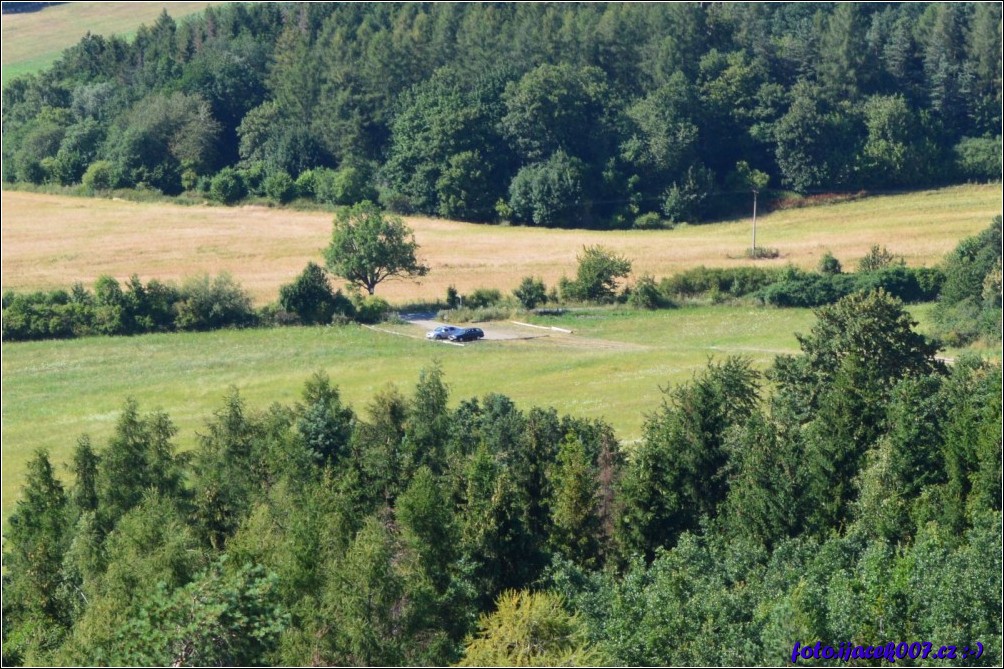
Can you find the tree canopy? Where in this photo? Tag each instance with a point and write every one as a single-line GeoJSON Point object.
{"type": "Point", "coordinates": [368, 247]}
{"type": "Point", "coordinates": [586, 115]}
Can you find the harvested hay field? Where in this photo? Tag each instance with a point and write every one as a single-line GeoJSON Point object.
{"type": "Point", "coordinates": [52, 241]}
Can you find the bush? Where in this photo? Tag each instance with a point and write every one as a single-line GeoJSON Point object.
{"type": "Point", "coordinates": [878, 258]}
{"type": "Point", "coordinates": [531, 292]}
{"type": "Point", "coordinates": [649, 221]}
{"type": "Point", "coordinates": [227, 186]}
{"type": "Point", "coordinates": [371, 309]}
{"type": "Point", "coordinates": [732, 281]}
{"type": "Point", "coordinates": [550, 193]}
{"type": "Point", "coordinates": [762, 253]}
{"type": "Point", "coordinates": [829, 265]}
{"type": "Point", "coordinates": [279, 187]}
{"type": "Point", "coordinates": [306, 184]}
{"type": "Point", "coordinates": [483, 297]}
{"type": "Point", "coordinates": [799, 289]}
{"type": "Point", "coordinates": [598, 272]}
{"type": "Point", "coordinates": [979, 159]}
{"type": "Point", "coordinates": [311, 299]}
{"type": "Point", "coordinates": [346, 186]}
{"type": "Point", "coordinates": [100, 175]}
{"type": "Point", "coordinates": [646, 295]}
{"type": "Point", "coordinates": [452, 297]}
{"type": "Point", "coordinates": [210, 304]}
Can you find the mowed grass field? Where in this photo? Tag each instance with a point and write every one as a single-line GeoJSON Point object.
{"type": "Point", "coordinates": [612, 368]}
{"type": "Point", "coordinates": [33, 41]}
{"type": "Point", "coordinates": [51, 241]}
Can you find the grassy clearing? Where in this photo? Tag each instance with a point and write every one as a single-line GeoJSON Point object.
{"type": "Point", "coordinates": [611, 368]}
{"type": "Point", "coordinates": [33, 41]}
{"type": "Point", "coordinates": [52, 241]}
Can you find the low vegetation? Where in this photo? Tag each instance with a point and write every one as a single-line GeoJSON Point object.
{"type": "Point", "coordinates": [481, 532]}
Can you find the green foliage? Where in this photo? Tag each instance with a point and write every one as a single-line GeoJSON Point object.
{"type": "Point", "coordinates": [139, 458]}
{"type": "Point", "coordinates": [530, 629]}
{"type": "Point", "coordinates": [324, 423]}
{"type": "Point", "coordinates": [36, 540]}
{"type": "Point", "coordinates": [531, 292]}
{"type": "Point", "coordinates": [979, 159]}
{"type": "Point", "coordinates": [718, 281]}
{"type": "Point", "coordinates": [574, 507]}
{"type": "Point", "coordinates": [653, 105]}
{"type": "Point", "coordinates": [676, 474]}
{"type": "Point", "coordinates": [645, 294]}
{"type": "Point", "coordinates": [970, 302]}
{"type": "Point", "coordinates": [161, 136]}
{"type": "Point", "coordinates": [279, 187]}
{"type": "Point", "coordinates": [349, 185]}
{"type": "Point", "coordinates": [550, 193]}
{"type": "Point", "coordinates": [371, 309]}
{"type": "Point", "coordinates": [227, 186]}
{"type": "Point", "coordinates": [210, 304]}
{"type": "Point", "coordinates": [828, 264]}
{"type": "Point", "coordinates": [878, 259]}
{"type": "Point", "coordinates": [483, 297]}
{"type": "Point", "coordinates": [310, 297]}
{"type": "Point", "coordinates": [597, 275]}
{"type": "Point", "coordinates": [368, 247]}
{"type": "Point", "coordinates": [100, 175]}
{"type": "Point", "coordinates": [222, 618]}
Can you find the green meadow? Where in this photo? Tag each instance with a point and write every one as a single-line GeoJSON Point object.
{"type": "Point", "coordinates": [612, 367]}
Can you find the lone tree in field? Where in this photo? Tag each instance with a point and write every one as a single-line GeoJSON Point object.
{"type": "Point", "coordinates": [756, 181]}
{"type": "Point", "coordinates": [368, 247]}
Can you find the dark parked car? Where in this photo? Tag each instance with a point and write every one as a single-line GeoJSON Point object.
{"type": "Point", "coordinates": [443, 332]}
{"type": "Point", "coordinates": [468, 334]}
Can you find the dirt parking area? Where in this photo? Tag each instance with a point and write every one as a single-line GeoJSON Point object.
{"type": "Point", "coordinates": [494, 331]}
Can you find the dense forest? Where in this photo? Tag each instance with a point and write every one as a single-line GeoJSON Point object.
{"type": "Point", "coordinates": [604, 115]}
{"type": "Point", "coordinates": [850, 494]}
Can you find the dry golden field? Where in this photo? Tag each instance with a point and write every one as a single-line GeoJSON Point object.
{"type": "Point", "coordinates": [51, 241]}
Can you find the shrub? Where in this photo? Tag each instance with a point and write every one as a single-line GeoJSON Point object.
{"type": "Point", "coordinates": [209, 304]}
{"type": "Point", "coordinates": [452, 297]}
{"type": "Point", "coordinates": [227, 186]}
{"type": "Point", "coordinates": [346, 186]}
{"type": "Point", "coordinates": [646, 294]}
{"type": "Point", "coordinates": [306, 184]}
{"type": "Point", "coordinates": [100, 175]}
{"type": "Point", "coordinates": [483, 297]}
{"type": "Point", "coordinates": [649, 221]}
{"type": "Point", "coordinates": [279, 187]}
{"type": "Point", "coordinates": [733, 281]}
{"type": "Point", "coordinates": [878, 258]}
{"type": "Point", "coordinates": [531, 292]}
{"type": "Point", "coordinates": [979, 158]}
{"type": "Point", "coordinates": [762, 253]}
{"type": "Point", "coordinates": [801, 289]}
{"type": "Point", "coordinates": [598, 272]}
{"type": "Point", "coordinates": [550, 193]}
{"type": "Point", "coordinates": [311, 299]}
{"type": "Point", "coordinates": [829, 265]}
{"type": "Point", "coordinates": [371, 309]}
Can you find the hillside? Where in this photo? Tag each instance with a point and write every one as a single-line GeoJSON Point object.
{"type": "Point", "coordinates": [33, 41]}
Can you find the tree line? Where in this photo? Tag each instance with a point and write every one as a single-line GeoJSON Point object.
{"type": "Point", "coordinates": [604, 115]}
{"type": "Point", "coordinates": [850, 493]}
